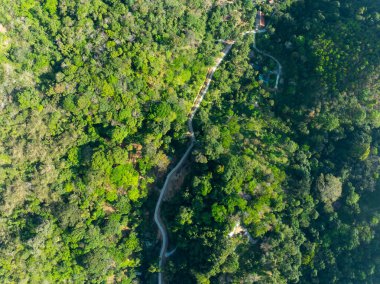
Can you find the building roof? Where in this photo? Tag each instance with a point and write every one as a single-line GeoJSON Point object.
{"type": "Point", "coordinates": [260, 20]}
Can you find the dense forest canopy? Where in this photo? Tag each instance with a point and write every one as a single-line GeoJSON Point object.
{"type": "Point", "coordinates": [282, 185]}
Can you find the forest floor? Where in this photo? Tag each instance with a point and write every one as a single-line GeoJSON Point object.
{"type": "Point", "coordinates": [177, 181]}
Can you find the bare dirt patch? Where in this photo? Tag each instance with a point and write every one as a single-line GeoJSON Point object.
{"type": "Point", "coordinates": [3, 29]}
{"type": "Point", "coordinates": [177, 182]}
{"type": "Point", "coordinates": [108, 209]}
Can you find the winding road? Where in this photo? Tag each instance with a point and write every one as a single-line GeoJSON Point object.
{"type": "Point", "coordinates": [279, 66]}
{"type": "Point", "coordinates": [196, 105]}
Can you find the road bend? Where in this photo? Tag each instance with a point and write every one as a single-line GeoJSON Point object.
{"type": "Point", "coordinates": [196, 104]}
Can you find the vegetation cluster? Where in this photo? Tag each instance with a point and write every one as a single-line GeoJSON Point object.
{"type": "Point", "coordinates": [94, 99]}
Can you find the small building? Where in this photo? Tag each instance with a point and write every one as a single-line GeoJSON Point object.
{"type": "Point", "coordinates": [260, 20]}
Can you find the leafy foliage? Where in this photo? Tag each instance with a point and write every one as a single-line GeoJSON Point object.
{"type": "Point", "coordinates": [94, 99]}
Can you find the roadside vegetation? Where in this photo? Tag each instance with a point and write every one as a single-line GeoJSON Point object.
{"type": "Point", "coordinates": [94, 100]}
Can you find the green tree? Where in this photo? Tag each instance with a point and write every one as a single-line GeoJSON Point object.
{"type": "Point", "coordinates": [329, 189]}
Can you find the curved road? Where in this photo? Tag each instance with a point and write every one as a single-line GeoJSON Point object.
{"type": "Point", "coordinates": [196, 104]}
{"type": "Point", "coordinates": [279, 66]}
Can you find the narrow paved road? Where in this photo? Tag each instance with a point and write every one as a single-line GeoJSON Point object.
{"type": "Point", "coordinates": [196, 105]}
{"type": "Point", "coordinates": [279, 66]}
